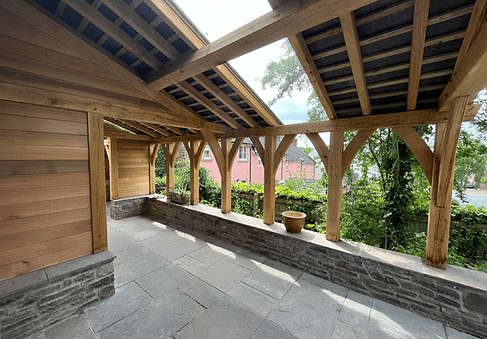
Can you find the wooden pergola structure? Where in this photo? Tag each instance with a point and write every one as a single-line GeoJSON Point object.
{"type": "Point", "coordinates": [79, 78]}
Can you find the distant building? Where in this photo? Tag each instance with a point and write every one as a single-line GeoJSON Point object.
{"type": "Point", "coordinates": [248, 168]}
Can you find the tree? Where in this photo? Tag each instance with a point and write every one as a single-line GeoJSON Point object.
{"type": "Point", "coordinates": [160, 164]}
{"type": "Point", "coordinates": [471, 159]}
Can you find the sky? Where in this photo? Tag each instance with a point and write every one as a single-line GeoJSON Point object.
{"type": "Point", "coordinates": [216, 18]}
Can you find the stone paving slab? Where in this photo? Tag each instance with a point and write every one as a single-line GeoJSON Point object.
{"type": "Point", "coordinates": [225, 319]}
{"type": "Point", "coordinates": [159, 319]}
{"type": "Point", "coordinates": [253, 299]}
{"type": "Point", "coordinates": [127, 299]}
{"type": "Point", "coordinates": [137, 268]}
{"type": "Point", "coordinates": [190, 265]}
{"type": "Point", "coordinates": [224, 275]}
{"type": "Point", "coordinates": [75, 328]}
{"type": "Point", "coordinates": [270, 330]}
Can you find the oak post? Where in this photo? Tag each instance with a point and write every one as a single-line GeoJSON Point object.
{"type": "Point", "coordinates": [113, 163]}
{"type": "Point", "coordinates": [269, 180]}
{"type": "Point", "coordinates": [153, 148]}
{"type": "Point", "coordinates": [195, 152]}
{"type": "Point", "coordinates": [446, 140]}
{"type": "Point", "coordinates": [226, 174]}
{"type": "Point", "coordinates": [97, 183]}
{"type": "Point", "coordinates": [170, 151]}
{"type": "Point", "coordinates": [334, 186]}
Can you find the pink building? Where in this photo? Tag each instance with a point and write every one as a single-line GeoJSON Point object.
{"type": "Point", "coordinates": [247, 166]}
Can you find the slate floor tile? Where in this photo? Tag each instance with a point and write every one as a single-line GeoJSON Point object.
{"type": "Point", "coordinates": [127, 299]}
{"type": "Point", "coordinates": [346, 331]}
{"type": "Point", "coordinates": [270, 330]}
{"type": "Point", "coordinates": [224, 319]}
{"type": "Point", "coordinates": [454, 334]}
{"type": "Point", "coordinates": [223, 275]}
{"type": "Point", "coordinates": [295, 312]}
{"type": "Point", "coordinates": [253, 299]}
{"type": "Point", "coordinates": [159, 319]}
{"type": "Point", "coordinates": [178, 249]}
{"type": "Point", "coordinates": [137, 268]}
{"type": "Point", "coordinates": [163, 280]}
{"type": "Point", "coordinates": [130, 253]}
{"type": "Point", "coordinates": [247, 259]}
{"type": "Point", "coordinates": [202, 292]}
{"type": "Point", "coordinates": [356, 311]}
{"type": "Point", "coordinates": [272, 278]}
{"type": "Point", "coordinates": [389, 321]}
{"type": "Point", "coordinates": [208, 255]}
{"type": "Point", "coordinates": [74, 328]}
{"type": "Point", "coordinates": [190, 265]}
{"type": "Point", "coordinates": [118, 240]}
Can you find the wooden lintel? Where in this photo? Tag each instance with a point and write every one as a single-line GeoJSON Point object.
{"type": "Point", "coordinates": [353, 147]}
{"type": "Point", "coordinates": [289, 18]}
{"type": "Point", "coordinates": [419, 148]}
{"type": "Point", "coordinates": [420, 22]}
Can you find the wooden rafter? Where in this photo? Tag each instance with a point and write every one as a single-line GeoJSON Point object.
{"type": "Point", "coordinates": [121, 135]}
{"type": "Point", "coordinates": [121, 125]}
{"type": "Point", "coordinates": [139, 24]}
{"type": "Point", "coordinates": [193, 92]}
{"type": "Point", "coordinates": [350, 34]}
{"type": "Point", "coordinates": [220, 95]}
{"type": "Point", "coordinates": [146, 113]}
{"type": "Point", "coordinates": [140, 127]}
{"type": "Point", "coordinates": [421, 10]}
{"type": "Point", "coordinates": [64, 34]}
{"type": "Point", "coordinates": [287, 19]}
{"type": "Point", "coordinates": [87, 11]}
{"type": "Point", "coordinates": [306, 60]}
{"type": "Point", "coordinates": [157, 129]}
{"type": "Point", "coordinates": [470, 73]}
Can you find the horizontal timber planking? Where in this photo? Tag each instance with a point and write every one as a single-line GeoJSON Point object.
{"type": "Point", "coordinates": [16, 211]}
{"type": "Point", "coordinates": [52, 258]}
{"type": "Point", "coordinates": [45, 247]}
{"type": "Point", "coordinates": [44, 187]}
{"type": "Point", "coordinates": [133, 167]}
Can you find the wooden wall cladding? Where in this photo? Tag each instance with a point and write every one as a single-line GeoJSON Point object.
{"type": "Point", "coordinates": [45, 213]}
{"type": "Point", "coordinates": [133, 168]}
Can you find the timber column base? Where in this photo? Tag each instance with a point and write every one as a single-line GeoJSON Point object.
{"type": "Point", "coordinates": [438, 235]}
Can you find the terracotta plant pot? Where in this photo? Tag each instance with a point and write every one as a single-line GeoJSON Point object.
{"type": "Point", "coordinates": [294, 221]}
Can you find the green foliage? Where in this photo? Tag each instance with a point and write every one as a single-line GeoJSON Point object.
{"type": "Point", "coordinates": [471, 159]}
{"type": "Point", "coordinates": [160, 164]}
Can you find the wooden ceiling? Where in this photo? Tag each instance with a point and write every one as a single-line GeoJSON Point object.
{"type": "Point", "coordinates": [363, 58]}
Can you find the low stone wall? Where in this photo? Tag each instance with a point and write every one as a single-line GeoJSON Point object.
{"type": "Point", "coordinates": [455, 296]}
{"type": "Point", "coordinates": [41, 299]}
{"type": "Point", "coordinates": [127, 207]}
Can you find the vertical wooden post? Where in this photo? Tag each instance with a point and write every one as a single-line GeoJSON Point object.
{"type": "Point", "coordinates": [439, 216]}
{"type": "Point", "coordinates": [226, 175]}
{"type": "Point", "coordinates": [195, 151]}
{"type": "Point", "coordinates": [334, 186]}
{"type": "Point", "coordinates": [170, 151]}
{"type": "Point", "coordinates": [153, 148]}
{"type": "Point", "coordinates": [97, 183]}
{"type": "Point", "coordinates": [269, 180]}
{"type": "Point", "coordinates": [113, 163]}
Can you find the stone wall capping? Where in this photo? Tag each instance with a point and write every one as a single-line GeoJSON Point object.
{"type": "Point", "coordinates": [464, 276]}
{"type": "Point", "coordinates": [22, 282]}
{"type": "Point", "coordinates": [79, 264]}
{"type": "Point", "coordinates": [405, 261]}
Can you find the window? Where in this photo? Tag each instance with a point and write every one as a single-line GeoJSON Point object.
{"type": "Point", "coordinates": [287, 166]}
{"type": "Point", "coordinates": [243, 181]}
{"type": "Point", "coordinates": [299, 165]}
{"type": "Point", "coordinates": [206, 153]}
{"type": "Point", "coordinates": [260, 162]}
{"type": "Point", "coordinates": [242, 153]}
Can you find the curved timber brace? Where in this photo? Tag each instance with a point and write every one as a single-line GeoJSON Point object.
{"type": "Point", "coordinates": [170, 151]}
{"type": "Point", "coordinates": [224, 153]}
{"type": "Point", "coordinates": [195, 152]}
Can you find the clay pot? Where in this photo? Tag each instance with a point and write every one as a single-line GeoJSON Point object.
{"type": "Point", "coordinates": [294, 221]}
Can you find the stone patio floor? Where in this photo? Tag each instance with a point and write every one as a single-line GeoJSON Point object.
{"type": "Point", "coordinates": [171, 284]}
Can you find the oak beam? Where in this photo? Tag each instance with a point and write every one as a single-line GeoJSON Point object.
{"type": "Point", "coordinates": [146, 113]}
{"type": "Point", "coordinates": [470, 73]}
{"type": "Point", "coordinates": [309, 66]}
{"type": "Point", "coordinates": [122, 135]}
{"type": "Point", "coordinates": [97, 183]}
{"type": "Point", "coordinates": [171, 152]}
{"type": "Point", "coordinates": [153, 148]}
{"type": "Point", "coordinates": [353, 147]}
{"type": "Point", "coordinates": [334, 186]}
{"type": "Point", "coordinates": [420, 23]}
{"type": "Point", "coordinates": [349, 27]}
{"type": "Point", "coordinates": [419, 148]}
{"type": "Point", "coordinates": [289, 18]}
